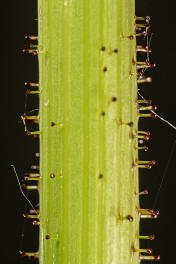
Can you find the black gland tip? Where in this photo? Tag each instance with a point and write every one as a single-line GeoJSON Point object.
{"type": "Point", "coordinates": [100, 176]}
{"type": "Point", "coordinates": [52, 175]}
{"type": "Point", "coordinates": [103, 48]}
{"type": "Point", "coordinates": [47, 237]}
{"type": "Point", "coordinates": [114, 99]}
{"type": "Point", "coordinates": [116, 51]}
{"type": "Point", "coordinates": [103, 113]}
{"type": "Point", "coordinates": [27, 37]}
{"type": "Point", "coordinates": [130, 218]}
{"type": "Point", "coordinates": [105, 69]}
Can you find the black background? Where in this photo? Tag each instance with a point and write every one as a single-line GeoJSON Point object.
{"type": "Point", "coordinates": [18, 18]}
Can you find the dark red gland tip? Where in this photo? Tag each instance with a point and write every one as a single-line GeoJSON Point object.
{"type": "Point", "coordinates": [138, 28]}
{"type": "Point", "coordinates": [147, 19]}
{"type": "Point", "coordinates": [27, 84]}
{"type": "Point", "coordinates": [146, 148]}
{"type": "Point", "coordinates": [145, 191]}
{"type": "Point", "coordinates": [157, 257]}
{"type": "Point", "coordinates": [154, 107]}
{"type": "Point", "coordinates": [35, 222]}
{"type": "Point", "coordinates": [47, 237]}
{"type": "Point", "coordinates": [22, 254]}
{"type": "Point", "coordinates": [147, 137]}
{"type": "Point", "coordinates": [25, 51]}
{"type": "Point", "coordinates": [25, 178]}
{"type": "Point", "coordinates": [36, 136]}
{"type": "Point", "coordinates": [153, 162]}
{"type": "Point", "coordinates": [147, 48]}
{"type": "Point", "coordinates": [148, 63]}
{"type": "Point", "coordinates": [147, 133]}
{"type": "Point", "coordinates": [34, 53]}
{"type": "Point", "coordinates": [152, 237]}
{"type": "Point", "coordinates": [154, 216]}
{"type": "Point", "coordinates": [141, 73]}
{"type": "Point", "coordinates": [156, 212]}
{"type": "Point", "coordinates": [149, 250]}
{"type": "Point", "coordinates": [24, 215]}
{"type": "Point", "coordinates": [149, 166]}
{"type": "Point", "coordinates": [151, 210]}
{"type": "Point", "coordinates": [34, 167]}
{"type": "Point", "coordinates": [27, 91]}
{"type": "Point", "coordinates": [27, 133]}
{"type": "Point", "coordinates": [153, 115]}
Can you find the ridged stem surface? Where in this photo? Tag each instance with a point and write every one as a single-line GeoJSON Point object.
{"type": "Point", "coordinates": [87, 91]}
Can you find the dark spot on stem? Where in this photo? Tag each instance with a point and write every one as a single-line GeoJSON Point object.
{"type": "Point", "coordinates": [130, 218]}
{"type": "Point", "coordinates": [116, 51]}
{"type": "Point", "coordinates": [131, 37]}
{"type": "Point", "coordinates": [47, 237]}
{"type": "Point", "coordinates": [114, 99]}
{"type": "Point", "coordinates": [53, 124]}
{"type": "Point", "coordinates": [100, 176]}
{"type": "Point", "coordinates": [52, 175]}
{"type": "Point", "coordinates": [103, 113]}
{"type": "Point", "coordinates": [105, 69]}
{"type": "Point", "coordinates": [103, 48]}
{"type": "Point", "coordinates": [130, 124]}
